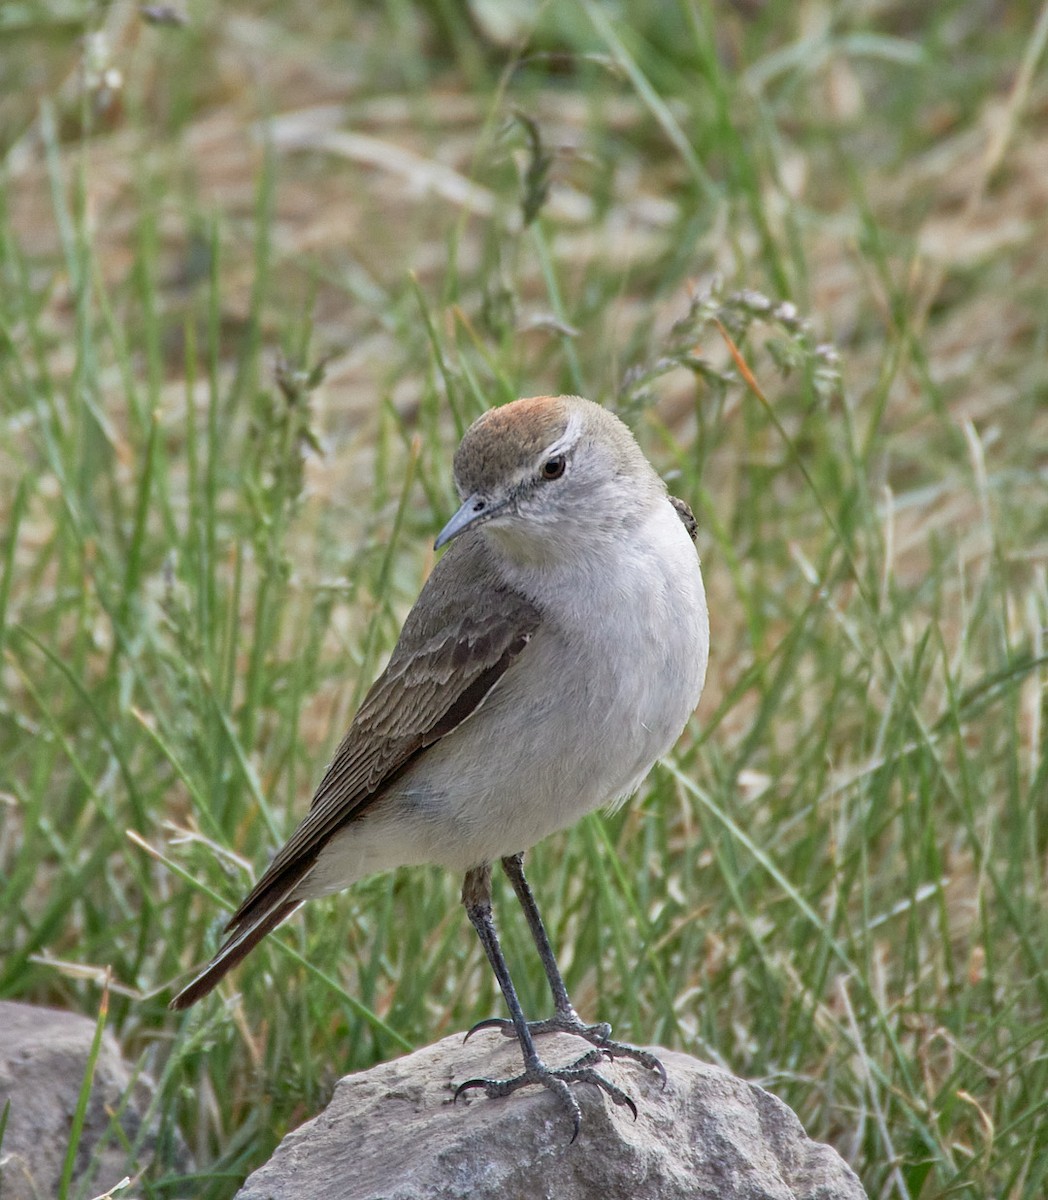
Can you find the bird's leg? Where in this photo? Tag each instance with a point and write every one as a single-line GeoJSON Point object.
{"type": "Point", "coordinates": [476, 897]}
{"type": "Point", "coordinates": [565, 1019]}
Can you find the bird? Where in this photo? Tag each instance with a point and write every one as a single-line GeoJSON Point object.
{"type": "Point", "coordinates": [556, 651]}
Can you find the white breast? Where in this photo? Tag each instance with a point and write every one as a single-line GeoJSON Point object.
{"type": "Point", "coordinates": [603, 690]}
{"type": "Point", "coordinates": [647, 638]}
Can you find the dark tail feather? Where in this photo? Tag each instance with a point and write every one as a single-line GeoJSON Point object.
{"type": "Point", "coordinates": [233, 950]}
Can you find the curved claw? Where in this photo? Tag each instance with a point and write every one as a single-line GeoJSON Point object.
{"type": "Point", "coordinates": [563, 1093]}
{"type": "Point", "coordinates": [500, 1023]}
{"type": "Point", "coordinates": [628, 1101]}
{"type": "Point", "coordinates": [656, 1065]}
{"type": "Point", "coordinates": [470, 1083]}
{"type": "Point", "coordinates": [576, 1126]}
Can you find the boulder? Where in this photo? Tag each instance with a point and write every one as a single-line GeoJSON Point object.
{"type": "Point", "coordinates": [393, 1132]}
{"type": "Point", "coordinates": [43, 1057]}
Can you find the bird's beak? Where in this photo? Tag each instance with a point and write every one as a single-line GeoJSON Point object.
{"type": "Point", "coordinates": [475, 510]}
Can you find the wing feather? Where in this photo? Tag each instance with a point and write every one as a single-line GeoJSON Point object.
{"type": "Point", "coordinates": [448, 658]}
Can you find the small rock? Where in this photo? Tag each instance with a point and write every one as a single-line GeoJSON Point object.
{"type": "Point", "coordinates": [393, 1132]}
{"type": "Point", "coordinates": [43, 1057]}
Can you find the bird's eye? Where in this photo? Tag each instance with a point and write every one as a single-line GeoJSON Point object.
{"type": "Point", "coordinates": [553, 468]}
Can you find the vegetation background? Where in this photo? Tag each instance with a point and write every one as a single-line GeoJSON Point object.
{"type": "Point", "coordinates": [260, 264]}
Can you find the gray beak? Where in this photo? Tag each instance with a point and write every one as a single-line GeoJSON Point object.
{"type": "Point", "coordinates": [475, 510]}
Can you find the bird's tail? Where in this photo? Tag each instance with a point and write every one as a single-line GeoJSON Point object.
{"type": "Point", "coordinates": [249, 929]}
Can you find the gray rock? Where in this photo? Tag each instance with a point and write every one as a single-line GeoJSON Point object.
{"type": "Point", "coordinates": [393, 1133]}
{"type": "Point", "coordinates": [43, 1057]}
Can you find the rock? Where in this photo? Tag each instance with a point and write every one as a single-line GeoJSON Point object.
{"type": "Point", "coordinates": [43, 1057]}
{"type": "Point", "coordinates": [392, 1132]}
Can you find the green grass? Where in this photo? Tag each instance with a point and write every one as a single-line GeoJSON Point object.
{"type": "Point", "coordinates": [233, 374]}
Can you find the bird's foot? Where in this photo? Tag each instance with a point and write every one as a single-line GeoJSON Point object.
{"type": "Point", "coordinates": [557, 1081]}
{"type": "Point", "coordinates": [598, 1035]}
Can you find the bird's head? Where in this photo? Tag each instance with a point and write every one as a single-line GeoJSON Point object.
{"type": "Point", "coordinates": [549, 474]}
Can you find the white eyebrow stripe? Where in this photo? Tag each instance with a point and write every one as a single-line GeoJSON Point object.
{"type": "Point", "coordinates": [568, 438]}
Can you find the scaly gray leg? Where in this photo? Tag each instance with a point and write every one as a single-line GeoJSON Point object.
{"type": "Point", "coordinates": [565, 1018]}
{"type": "Point", "coordinates": [476, 897]}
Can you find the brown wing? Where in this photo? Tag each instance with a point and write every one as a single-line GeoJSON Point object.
{"type": "Point", "coordinates": [450, 654]}
{"type": "Point", "coordinates": [405, 711]}
{"type": "Point", "coordinates": [452, 651]}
